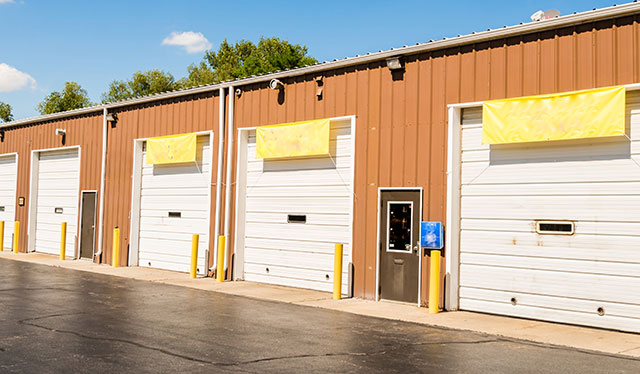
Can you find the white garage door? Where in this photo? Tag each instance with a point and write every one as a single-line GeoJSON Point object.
{"type": "Point", "coordinates": [506, 267]}
{"type": "Point", "coordinates": [174, 205]}
{"type": "Point", "coordinates": [8, 172]}
{"type": "Point", "coordinates": [57, 200]}
{"type": "Point", "coordinates": [296, 210]}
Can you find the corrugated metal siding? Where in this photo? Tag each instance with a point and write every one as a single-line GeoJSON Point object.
{"type": "Point", "coordinates": [85, 131]}
{"type": "Point", "coordinates": [176, 116]}
{"type": "Point", "coordinates": [401, 120]}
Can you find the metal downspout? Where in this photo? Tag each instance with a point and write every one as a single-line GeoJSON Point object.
{"type": "Point", "coordinates": [218, 197]}
{"type": "Point", "coordinates": [103, 175]}
{"type": "Point", "coordinates": [227, 195]}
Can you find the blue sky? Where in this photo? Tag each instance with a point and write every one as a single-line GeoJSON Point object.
{"type": "Point", "coordinates": [45, 43]}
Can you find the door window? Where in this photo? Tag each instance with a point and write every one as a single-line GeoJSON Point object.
{"type": "Point", "coordinates": [399, 224]}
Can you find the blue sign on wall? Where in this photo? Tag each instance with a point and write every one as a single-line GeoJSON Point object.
{"type": "Point", "coordinates": [431, 235]}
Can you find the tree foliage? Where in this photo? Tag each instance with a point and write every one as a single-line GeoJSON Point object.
{"type": "Point", "coordinates": [5, 112]}
{"type": "Point", "coordinates": [244, 59]}
{"type": "Point", "coordinates": [141, 84]}
{"type": "Point", "coordinates": [73, 96]}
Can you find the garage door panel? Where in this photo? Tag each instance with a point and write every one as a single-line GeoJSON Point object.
{"type": "Point", "coordinates": [564, 278]}
{"type": "Point", "coordinates": [179, 248]}
{"type": "Point", "coordinates": [300, 245]}
{"type": "Point", "coordinates": [589, 319]}
{"type": "Point", "coordinates": [8, 177]}
{"type": "Point", "coordinates": [610, 288]}
{"type": "Point", "coordinates": [578, 246]}
{"type": "Point", "coordinates": [554, 189]}
{"type": "Point", "coordinates": [163, 213]}
{"type": "Point", "coordinates": [183, 188]}
{"type": "Point", "coordinates": [332, 234]}
{"type": "Point", "coordinates": [298, 254]}
{"type": "Point", "coordinates": [312, 163]}
{"type": "Point", "coordinates": [312, 218]}
{"type": "Point", "coordinates": [566, 304]}
{"type": "Point", "coordinates": [575, 208]}
{"type": "Point", "coordinates": [178, 192]}
{"type": "Point", "coordinates": [576, 171]}
{"type": "Point", "coordinates": [300, 205]}
{"type": "Point", "coordinates": [526, 225]}
{"type": "Point", "coordinates": [317, 278]}
{"type": "Point", "coordinates": [57, 187]}
{"type": "Point", "coordinates": [552, 264]}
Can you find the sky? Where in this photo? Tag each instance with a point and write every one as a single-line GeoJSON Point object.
{"type": "Point", "coordinates": [45, 43]}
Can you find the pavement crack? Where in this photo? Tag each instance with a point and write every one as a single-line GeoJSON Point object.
{"type": "Point", "coordinates": [140, 345]}
{"type": "Point", "coordinates": [292, 357]}
{"type": "Point", "coordinates": [459, 342]}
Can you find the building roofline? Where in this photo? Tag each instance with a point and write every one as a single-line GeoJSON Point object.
{"type": "Point", "coordinates": [445, 43]}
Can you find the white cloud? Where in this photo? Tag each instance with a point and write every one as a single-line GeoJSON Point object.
{"type": "Point", "coordinates": [12, 79]}
{"type": "Point", "coordinates": [192, 42]}
{"type": "Point", "coordinates": [6, 1]}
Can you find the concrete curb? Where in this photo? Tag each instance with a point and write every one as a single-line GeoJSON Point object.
{"type": "Point", "coordinates": [576, 337]}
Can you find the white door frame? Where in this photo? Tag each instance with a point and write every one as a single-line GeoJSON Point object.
{"type": "Point", "coordinates": [81, 213]}
{"type": "Point", "coordinates": [15, 200]}
{"type": "Point", "coordinates": [136, 190]}
{"type": "Point", "coordinates": [243, 137]}
{"type": "Point", "coordinates": [380, 189]}
{"type": "Point", "coordinates": [33, 192]}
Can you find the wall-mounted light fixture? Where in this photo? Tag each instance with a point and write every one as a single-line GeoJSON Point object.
{"type": "Point", "coordinates": [63, 134]}
{"type": "Point", "coordinates": [238, 92]}
{"type": "Point", "coordinates": [2, 136]}
{"type": "Point", "coordinates": [394, 63]}
{"type": "Point", "coordinates": [319, 84]}
{"type": "Point", "coordinates": [276, 84]}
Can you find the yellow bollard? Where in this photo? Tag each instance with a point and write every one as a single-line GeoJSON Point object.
{"type": "Point", "coordinates": [115, 261]}
{"type": "Point", "coordinates": [220, 269]}
{"type": "Point", "coordinates": [434, 283]}
{"type": "Point", "coordinates": [194, 254]}
{"type": "Point", "coordinates": [337, 273]}
{"type": "Point", "coordinates": [1, 235]}
{"type": "Point", "coordinates": [16, 236]}
{"type": "Point", "coordinates": [63, 240]}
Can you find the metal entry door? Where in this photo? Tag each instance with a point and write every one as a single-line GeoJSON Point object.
{"type": "Point", "coordinates": [399, 237]}
{"type": "Point", "coordinates": [88, 224]}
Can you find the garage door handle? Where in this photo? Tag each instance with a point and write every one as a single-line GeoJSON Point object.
{"type": "Point", "coordinates": [398, 261]}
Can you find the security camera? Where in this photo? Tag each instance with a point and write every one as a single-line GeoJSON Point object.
{"type": "Point", "coordinates": [275, 84]}
{"type": "Point", "coordinates": [61, 132]}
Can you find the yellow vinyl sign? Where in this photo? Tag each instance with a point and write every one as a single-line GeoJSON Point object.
{"type": "Point", "coordinates": [171, 149]}
{"type": "Point", "coordinates": [298, 139]}
{"type": "Point", "coordinates": [569, 115]}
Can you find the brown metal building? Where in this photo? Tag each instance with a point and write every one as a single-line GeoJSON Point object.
{"type": "Point", "coordinates": [400, 116]}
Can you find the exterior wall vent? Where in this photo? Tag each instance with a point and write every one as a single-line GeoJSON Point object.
{"type": "Point", "coordinates": [555, 227]}
{"type": "Point", "coordinates": [297, 218]}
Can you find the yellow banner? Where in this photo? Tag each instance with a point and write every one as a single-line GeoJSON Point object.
{"type": "Point", "coordinates": [171, 149]}
{"type": "Point", "coordinates": [298, 139]}
{"type": "Point", "coordinates": [569, 115]}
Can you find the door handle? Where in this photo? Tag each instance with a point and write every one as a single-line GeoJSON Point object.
{"type": "Point", "coordinates": [415, 249]}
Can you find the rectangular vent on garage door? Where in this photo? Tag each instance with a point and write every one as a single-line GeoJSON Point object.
{"type": "Point", "coordinates": [1, 209]}
{"type": "Point", "coordinates": [175, 214]}
{"type": "Point", "coordinates": [555, 227]}
{"type": "Point", "coordinates": [297, 218]}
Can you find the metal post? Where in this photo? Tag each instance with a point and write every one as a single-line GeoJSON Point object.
{"type": "Point", "coordinates": [337, 273]}
{"type": "Point", "coordinates": [63, 240]}
{"type": "Point", "coordinates": [194, 254]}
{"type": "Point", "coordinates": [115, 261]}
{"type": "Point", "coordinates": [434, 282]}
{"type": "Point", "coordinates": [1, 235]}
{"type": "Point", "coordinates": [16, 236]}
{"type": "Point", "coordinates": [220, 269]}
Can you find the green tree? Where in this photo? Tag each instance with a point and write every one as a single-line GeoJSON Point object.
{"type": "Point", "coordinates": [141, 84]}
{"type": "Point", "coordinates": [5, 112]}
{"type": "Point", "coordinates": [244, 59]}
{"type": "Point", "coordinates": [73, 96]}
